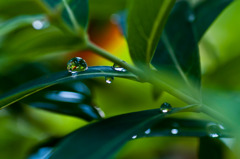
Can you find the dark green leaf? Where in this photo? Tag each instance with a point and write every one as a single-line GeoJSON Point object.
{"type": "Point", "coordinates": [75, 14]}
{"type": "Point", "coordinates": [71, 99]}
{"type": "Point", "coordinates": [61, 77]}
{"type": "Point", "coordinates": [146, 20]}
{"type": "Point", "coordinates": [206, 12]}
{"type": "Point", "coordinates": [103, 139]}
{"type": "Point", "coordinates": [211, 148]}
{"type": "Point", "coordinates": [177, 50]}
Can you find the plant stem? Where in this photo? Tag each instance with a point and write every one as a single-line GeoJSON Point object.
{"type": "Point", "coordinates": [142, 75]}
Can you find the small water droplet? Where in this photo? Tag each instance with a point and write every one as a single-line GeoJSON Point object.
{"type": "Point", "coordinates": [191, 18]}
{"type": "Point", "coordinates": [134, 136]}
{"type": "Point", "coordinates": [109, 79]}
{"type": "Point", "coordinates": [165, 107]}
{"type": "Point", "coordinates": [213, 130]}
{"type": "Point", "coordinates": [174, 131]}
{"type": "Point", "coordinates": [148, 131]}
{"type": "Point", "coordinates": [39, 24]}
{"type": "Point", "coordinates": [76, 64]}
{"type": "Point", "coordinates": [117, 67]}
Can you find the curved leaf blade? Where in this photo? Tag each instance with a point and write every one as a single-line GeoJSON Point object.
{"type": "Point", "coordinates": [114, 132]}
{"type": "Point", "coordinates": [178, 55]}
{"type": "Point", "coordinates": [107, 142]}
{"type": "Point", "coordinates": [146, 20]}
{"type": "Point", "coordinates": [70, 99]}
{"type": "Point", "coordinates": [17, 22]}
{"type": "Point", "coordinates": [29, 88]}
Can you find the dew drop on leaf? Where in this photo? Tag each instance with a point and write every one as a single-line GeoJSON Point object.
{"type": "Point", "coordinates": [39, 24]}
{"type": "Point", "coordinates": [76, 64]}
{"type": "Point", "coordinates": [165, 107]}
{"type": "Point", "coordinates": [117, 67]}
{"type": "Point", "coordinates": [109, 79]}
{"type": "Point", "coordinates": [174, 131]}
{"type": "Point", "coordinates": [213, 130]}
{"type": "Point", "coordinates": [134, 136]}
{"type": "Point", "coordinates": [148, 131]}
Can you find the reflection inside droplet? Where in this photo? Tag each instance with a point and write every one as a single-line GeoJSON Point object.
{"type": "Point", "coordinates": [100, 111]}
{"type": "Point", "coordinates": [76, 64]}
{"type": "Point", "coordinates": [174, 131]}
{"type": "Point", "coordinates": [117, 67]}
{"type": "Point", "coordinates": [213, 130]}
{"type": "Point", "coordinates": [148, 131]}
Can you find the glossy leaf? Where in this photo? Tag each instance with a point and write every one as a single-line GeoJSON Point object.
{"type": "Point", "coordinates": [177, 50]}
{"type": "Point", "coordinates": [146, 19]}
{"type": "Point", "coordinates": [111, 135]}
{"type": "Point", "coordinates": [61, 77]}
{"type": "Point", "coordinates": [18, 22]}
{"type": "Point", "coordinates": [206, 12]}
{"type": "Point", "coordinates": [70, 99]}
{"type": "Point", "coordinates": [75, 14]}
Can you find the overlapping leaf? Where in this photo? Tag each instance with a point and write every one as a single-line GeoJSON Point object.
{"type": "Point", "coordinates": [177, 50]}
{"type": "Point", "coordinates": [146, 19]}
{"type": "Point", "coordinates": [113, 133]}
{"type": "Point", "coordinates": [61, 77]}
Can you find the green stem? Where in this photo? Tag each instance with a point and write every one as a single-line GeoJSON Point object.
{"type": "Point", "coordinates": [142, 75]}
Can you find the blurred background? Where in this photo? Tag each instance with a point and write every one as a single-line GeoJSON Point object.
{"type": "Point", "coordinates": [23, 127]}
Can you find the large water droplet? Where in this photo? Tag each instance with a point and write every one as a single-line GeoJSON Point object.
{"type": "Point", "coordinates": [40, 24]}
{"type": "Point", "coordinates": [117, 67]}
{"type": "Point", "coordinates": [148, 131]}
{"type": "Point", "coordinates": [134, 136]}
{"type": "Point", "coordinates": [109, 79]}
{"type": "Point", "coordinates": [213, 130]}
{"type": "Point", "coordinates": [165, 107]}
{"type": "Point", "coordinates": [174, 131]}
{"type": "Point", "coordinates": [76, 64]}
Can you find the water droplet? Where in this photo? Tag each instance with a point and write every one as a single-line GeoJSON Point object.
{"type": "Point", "coordinates": [134, 136]}
{"type": "Point", "coordinates": [39, 24]}
{"type": "Point", "coordinates": [174, 131]}
{"type": "Point", "coordinates": [165, 107]}
{"type": "Point", "coordinates": [191, 18]}
{"type": "Point", "coordinates": [148, 131]}
{"type": "Point", "coordinates": [109, 79]}
{"type": "Point", "coordinates": [213, 130]}
{"type": "Point", "coordinates": [117, 67]}
{"type": "Point", "coordinates": [76, 64]}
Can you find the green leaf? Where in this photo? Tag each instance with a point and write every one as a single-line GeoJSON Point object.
{"type": "Point", "coordinates": [52, 3]}
{"type": "Point", "coordinates": [75, 14]}
{"type": "Point", "coordinates": [18, 22]}
{"type": "Point", "coordinates": [176, 54]}
{"type": "Point", "coordinates": [212, 148]}
{"type": "Point", "coordinates": [146, 20]}
{"type": "Point", "coordinates": [205, 14]}
{"type": "Point", "coordinates": [34, 86]}
{"type": "Point", "coordinates": [104, 138]}
{"type": "Point", "coordinates": [70, 99]}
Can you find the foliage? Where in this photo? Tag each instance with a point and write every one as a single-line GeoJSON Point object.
{"type": "Point", "coordinates": [163, 38]}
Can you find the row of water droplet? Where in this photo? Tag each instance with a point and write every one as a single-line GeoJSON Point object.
{"type": "Point", "coordinates": [77, 64]}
